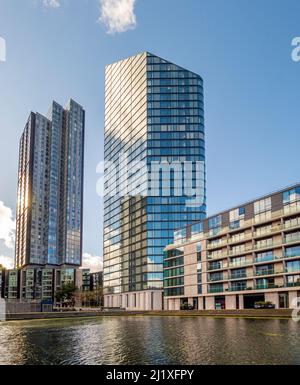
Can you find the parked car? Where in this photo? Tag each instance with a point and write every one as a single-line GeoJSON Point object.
{"type": "Point", "coordinates": [264, 305]}
{"type": "Point", "coordinates": [186, 306]}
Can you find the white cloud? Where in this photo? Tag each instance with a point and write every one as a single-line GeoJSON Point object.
{"type": "Point", "coordinates": [7, 226]}
{"type": "Point", "coordinates": [51, 3]}
{"type": "Point", "coordinates": [92, 262]}
{"type": "Point", "coordinates": [7, 262]}
{"type": "Point", "coordinates": [118, 15]}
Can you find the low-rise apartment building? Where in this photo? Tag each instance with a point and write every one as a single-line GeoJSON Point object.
{"type": "Point", "coordinates": [238, 257]}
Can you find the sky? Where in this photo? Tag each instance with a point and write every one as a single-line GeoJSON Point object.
{"type": "Point", "coordinates": [57, 49]}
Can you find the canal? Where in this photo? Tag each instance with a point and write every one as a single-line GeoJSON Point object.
{"type": "Point", "coordinates": [150, 340]}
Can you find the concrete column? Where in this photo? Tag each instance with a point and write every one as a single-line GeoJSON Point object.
{"type": "Point", "coordinates": [292, 299]}
{"type": "Point", "coordinates": [230, 302]}
{"type": "Point", "coordinates": [272, 297]}
{"type": "Point", "coordinates": [166, 304]}
{"type": "Point", "coordinates": [210, 303]}
{"type": "Point", "coordinates": [200, 303]}
{"type": "Point", "coordinates": [177, 304]}
{"type": "Point", "coordinates": [241, 301]}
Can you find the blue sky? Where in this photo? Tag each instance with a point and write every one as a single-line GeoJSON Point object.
{"type": "Point", "coordinates": [58, 49]}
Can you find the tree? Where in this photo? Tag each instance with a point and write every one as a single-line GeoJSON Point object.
{"type": "Point", "coordinates": [66, 294]}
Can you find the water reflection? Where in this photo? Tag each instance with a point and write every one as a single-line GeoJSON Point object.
{"type": "Point", "coordinates": [151, 340]}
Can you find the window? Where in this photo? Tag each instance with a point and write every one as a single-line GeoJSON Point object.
{"type": "Point", "coordinates": [291, 196]}
{"type": "Point", "coordinates": [196, 229]}
{"type": "Point", "coordinates": [264, 243]}
{"type": "Point", "coordinates": [292, 251]}
{"type": "Point", "coordinates": [265, 270]}
{"type": "Point", "coordinates": [293, 280]}
{"type": "Point", "coordinates": [239, 286]}
{"type": "Point", "coordinates": [262, 206]}
{"type": "Point", "coordinates": [265, 257]}
{"type": "Point", "coordinates": [216, 288]}
{"type": "Point", "coordinates": [237, 214]}
{"type": "Point", "coordinates": [174, 291]}
{"type": "Point", "coordinates": [215, 222]}
{"type": "Point", "coordinates": [199, 249]}
{"type": "Point", "coordinates": [216, 277]}
{"type": "Point", "coordinates": [293, 266]}
{"type": "Point", "coordinates": [262, 210]}
{"type": "Point", "coordinates": [174, 253]}
{"type": "Point", "coordinates": [239, 261]}
{"type": "Point", "coordinates": [238, 273]}
{"type": "Point", "coordinates": [174, 272]}
{"type": "Point", "coordinates": [292, 237]}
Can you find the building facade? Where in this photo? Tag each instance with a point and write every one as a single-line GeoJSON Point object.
{"type": "Point", "coordinates": [154, 173]}
{"type": "Point", "coordinates": [50, 198]}
{"type": "Point", "coordinates": [238, 257]}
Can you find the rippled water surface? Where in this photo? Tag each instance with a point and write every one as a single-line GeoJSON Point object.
{"type": "Point", "coordinates": [150, 340]}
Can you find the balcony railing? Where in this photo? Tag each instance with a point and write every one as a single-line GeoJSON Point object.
{"type": "Point", "coordinates": [292, 284]}
{"type": "Point", "coordinates": [215, 279]}
{"type": "Point", "coordinates": [240, 264]}
{"type": "Point", "coordinates": [293, 255]}
{"type": "Point", "coordinates": [217, 267]}
{"type": "Point", "coordinates": [291, 225]}
{"type": "Point", "coordinates": [292, 239]}
{"type": "Point", "coordinates": [216, 290]}
{"type": "Point", "coordinates": [266, 286]}
{"type": "Point", "coordinates": [239, 276]}
{"type": "Point", "coordinates": [265, 272]}
{"type": "Point", "coordinates": [272, 230]}
{"type": "Point", "coordinates": [268, 258]}
{"type": "Point", "coordinates": [240, 288]}
{"type": "Point", "coordinates": [216, 245]}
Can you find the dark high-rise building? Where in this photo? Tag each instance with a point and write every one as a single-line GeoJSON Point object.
{"type": "Point", "coordinates": [154, 173]}
{"type": "Point", "coordinates": [50, 191]}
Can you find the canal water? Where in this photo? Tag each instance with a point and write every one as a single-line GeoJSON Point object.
{"type": "Point", "coordinates": [150, 340]}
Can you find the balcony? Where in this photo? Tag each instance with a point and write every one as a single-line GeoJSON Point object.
{"type": "Point", "coordinates": [272, 230]}
{"type": "Point", "coordinates": [266, 286]}
{"type": "Point", "coordinates": [267, 245]}
{"type": "Point", "coordinates": [239, 239]}
{"type": "Point", "coordinates": [216, 245]}
{"type": "Point", "coordinates": [220, 256]}
{"type": "Point", "coordinates": [240, 251]}
{"type": "Point", "coordinates": [217, 267]}
{"type": "Point", "coordinates": [216, 290]}
{"type": "Point", "coordinates": [265, 272]}
{"type": "Point", "coordinates": [239, 276]}
{"type": "Point", "coordinates": [240, 288]}
{"type": "Point", "coordinates": [216, 279]}
{"type": "Point", "coordinates": [291, 225]}
{"type": "Point", "coordinates": [295, 270]}
{"type": "Point", "coordinates": [293, 284]}
{"type": "Point", "coordinates": [292, 240]}
{"type": "Point", "coordinates": [267, 258]}
{"type": "Point", "coordinates": [293, 255]}
{"type": "Point", "coordinates": [240, 264]}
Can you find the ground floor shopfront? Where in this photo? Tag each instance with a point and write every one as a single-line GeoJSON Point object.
{"type": "Point", "coordinates": [282, 299]}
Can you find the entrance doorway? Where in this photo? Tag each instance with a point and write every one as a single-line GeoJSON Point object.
{"type": "Point", "coordinates": [250, 299]}
{"type": "Point", "coordinates": [284, 300]}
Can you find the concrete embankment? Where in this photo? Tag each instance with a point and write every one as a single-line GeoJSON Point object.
{"type": "Point", "coordinates": [251, 313]}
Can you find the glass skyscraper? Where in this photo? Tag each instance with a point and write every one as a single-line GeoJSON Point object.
{"type": "Point", "coordinates": [50, 190]}
{"type": "Point", "coordinates": [154, 173]}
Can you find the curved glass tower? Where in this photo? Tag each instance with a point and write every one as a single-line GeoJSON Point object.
{"type": "Point", "coordinates": [154, 173]}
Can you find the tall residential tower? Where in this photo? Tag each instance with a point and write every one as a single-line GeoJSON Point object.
{"type": "Point", "coordinates": [50, 196]}
{"type": "Point", "coordinates": [154, 173]}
